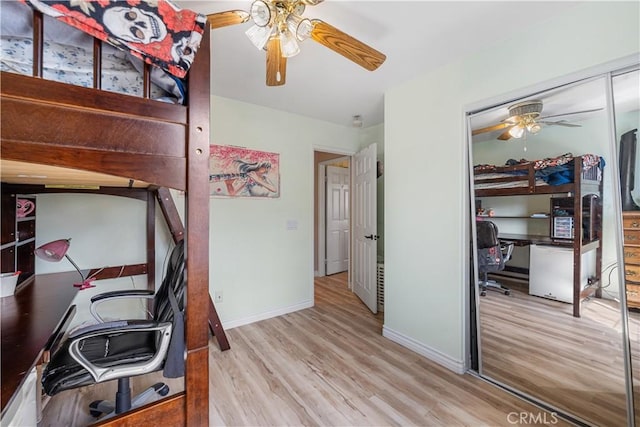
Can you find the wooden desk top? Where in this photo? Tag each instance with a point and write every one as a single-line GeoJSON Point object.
{"type": "Point", "coordinates": [28, 319]}
{"type": "Point", "coordinates": [526, 239]}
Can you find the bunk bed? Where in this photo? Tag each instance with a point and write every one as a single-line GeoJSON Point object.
{"type": "Point", "coordinates": [115, 139]}
{"type": "Point", "coordinates": [573, 176]}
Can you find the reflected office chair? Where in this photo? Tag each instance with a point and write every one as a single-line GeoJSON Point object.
{"type": "Point", "coordinates": [125, 348]}
{"type": "Point", "coordinates": [492, 256]}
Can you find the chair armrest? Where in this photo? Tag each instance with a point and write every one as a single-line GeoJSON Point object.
{"type": "Point", "coordinates": [99, 374]}
{"type": "Point", "coordinates": [106, 296]}
{"type": "Point", "coordinates": [507, 249]}
{"type": "Point", "coordinates": [121, 294]}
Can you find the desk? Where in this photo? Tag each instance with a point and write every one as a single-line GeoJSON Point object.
{"type": "Point", "coordinates": [28, 319]}
{"type": "Point", "coordinates": [521, 240]}
{"type": "Point", "coordinates": [530, 239]}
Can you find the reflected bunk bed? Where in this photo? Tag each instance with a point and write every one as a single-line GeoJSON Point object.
{"type": "Point", "coordinates": [556, 176]}
{"type": "Point", "coordinates": [95, 134]}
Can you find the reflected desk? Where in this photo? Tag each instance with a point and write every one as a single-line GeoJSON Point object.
{"type": "Point", "coordinates": [521, 240]}
{"type": "Point", "coordinates": [531, 239]}
{"type": "Point", "coordinates": [30, 320]}
{"type": "Point", "coordinates": [580, 290]}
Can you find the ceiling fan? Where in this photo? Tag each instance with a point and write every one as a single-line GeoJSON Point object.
{"type": "Point", "coordinates": [279, 27]}
{"type": "Point", "coordinates": [526, 116]}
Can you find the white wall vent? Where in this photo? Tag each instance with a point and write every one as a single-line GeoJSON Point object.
{"type": "Point", "coordinates": [380, 280]}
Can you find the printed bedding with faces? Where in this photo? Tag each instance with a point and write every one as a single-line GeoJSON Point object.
{"type": "Point", "coordinates": [68, 52]}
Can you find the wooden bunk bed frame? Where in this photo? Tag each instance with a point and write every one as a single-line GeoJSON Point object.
{"type": "Point", "coordinates": [164, 145]}
{"type": "Point", "coordinates": [584, 183]}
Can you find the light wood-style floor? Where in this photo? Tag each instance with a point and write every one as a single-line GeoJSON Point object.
{"type": "Point", "coordinates": [328, 366]}
{"type": "Point", "coordinates": [634, 337]}
{"type": "Point", "coordinates": [575, 363]}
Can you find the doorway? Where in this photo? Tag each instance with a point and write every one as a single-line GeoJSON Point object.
{"type": "Point", "coordinates": [337, 216]}
{"type": "Point", "coordinates": [332, 229]}
{"type": "Point", "coordinates": [335, 192]}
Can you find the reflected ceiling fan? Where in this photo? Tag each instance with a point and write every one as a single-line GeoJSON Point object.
{"type": "Point", "coordinates": [279, 27]}
{"type": "Point", "coordinates": [526, 117]}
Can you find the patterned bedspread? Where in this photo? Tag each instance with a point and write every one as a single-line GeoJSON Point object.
{"type": "Point", "coordinates": [156, 31]}
{"type": "Point", "coordinates": [68, 57]}
{"type": "Point", "coordinates": [549, 171]}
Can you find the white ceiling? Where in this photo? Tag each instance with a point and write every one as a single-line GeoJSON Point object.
{"type": "Point", "coordinates": [416, 36]}
{"type": "Point", "coordinates": [572, 103]}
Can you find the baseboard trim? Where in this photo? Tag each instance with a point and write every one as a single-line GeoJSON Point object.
{"type": "Point", "coordinates": [437, 356]}
{"type": "Point", "coordinates": [267, 315]}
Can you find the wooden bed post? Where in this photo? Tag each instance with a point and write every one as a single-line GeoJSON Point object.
{"type": "Point", "coordinates": [197, 240]}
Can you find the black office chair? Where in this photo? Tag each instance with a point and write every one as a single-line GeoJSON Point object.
{"type": "Point", "coordinates": [126, 348]}
{"type": "Point", "coordinates": [492, 256]}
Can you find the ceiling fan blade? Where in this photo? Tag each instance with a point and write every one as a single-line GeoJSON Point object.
{"type": "Point", "coordinates": [230, 17]}
{"type": "Point", "coordinates": [571, 113]}
{"type": "Point", "coordinates": [276, 63]}
{"type": "Point", "coordinates": [561, 123]}
{"type": "Point", "coordinates": [347, 46]}
{"type": "Point", "coordinates": [504, 136]}
{"type": "Point", "coordinates": [499, 126]}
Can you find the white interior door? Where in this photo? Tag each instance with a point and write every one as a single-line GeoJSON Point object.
{"type": "Point", "coordinates": [364, 226]}
{"type": "Point", "coordinates": [337, 234]}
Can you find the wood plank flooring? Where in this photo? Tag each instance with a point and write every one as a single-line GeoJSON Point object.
{"type": "Point", "coordinates": [576, 363]}
{"type": "Point", "coordinates": [634, 337]}
{"type": "Point", "coordinates": [327, 366]}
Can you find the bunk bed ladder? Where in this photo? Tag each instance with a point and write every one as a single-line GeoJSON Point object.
{"type": "Point", "coordinates": [176, 228]}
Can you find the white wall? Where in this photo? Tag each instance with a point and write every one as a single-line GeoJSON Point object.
{"type": "Point", "coordinates": [105, 231]}
{"type": "Point", "coordinates": [425, 168]}
{"type": "Point", "coordinates": [262, 268]}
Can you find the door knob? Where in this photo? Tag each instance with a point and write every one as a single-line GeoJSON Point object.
{"type": "Point", "coordinates": [371, 237]}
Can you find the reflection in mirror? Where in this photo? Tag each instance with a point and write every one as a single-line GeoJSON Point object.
{"type": "Point", "coordinates": [626, 98]}
{"type": "Point", "coordinates": [556, 336]}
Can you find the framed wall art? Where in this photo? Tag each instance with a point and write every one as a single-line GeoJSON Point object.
{"type": "Point", "coordinates": [241, 172]}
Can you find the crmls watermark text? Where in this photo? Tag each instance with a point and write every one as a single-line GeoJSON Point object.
{"type": "Point", "coordinates": [526, 418]}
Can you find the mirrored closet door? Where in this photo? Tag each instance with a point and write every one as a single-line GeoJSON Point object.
{"type": "Point", "coordinates": [549, 303]}
{"type": "Point", "coordinates": [626, 101]}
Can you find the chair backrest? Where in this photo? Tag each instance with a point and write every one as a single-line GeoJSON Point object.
{"type": "Point", "coordinates": [174, 281]}
{"type": "Point", "coordinates": [166, 308]}
{"type": "Point", "coordinates": [487, 234]}
{"type": "Point", "coordinates": [490, 256]}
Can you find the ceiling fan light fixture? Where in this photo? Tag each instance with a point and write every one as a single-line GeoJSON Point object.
{"type": "Point", "coordinates": [288, 44]}
{"type": "Point", "coordinates": [259, 36]}
{"type": "Point", "coordinates": [516, 131]}
{"type": "Point", "coordinates": [531, 108]}
{"type": "Point", "coordinates": [262, 13]}
{"type": "Point", "coordinates": [299, 26]}
{"type": "Point", "coordinates": [533, 128]}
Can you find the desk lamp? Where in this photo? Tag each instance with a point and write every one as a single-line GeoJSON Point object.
{"type": "Point", "coordinates": [54, 251]}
